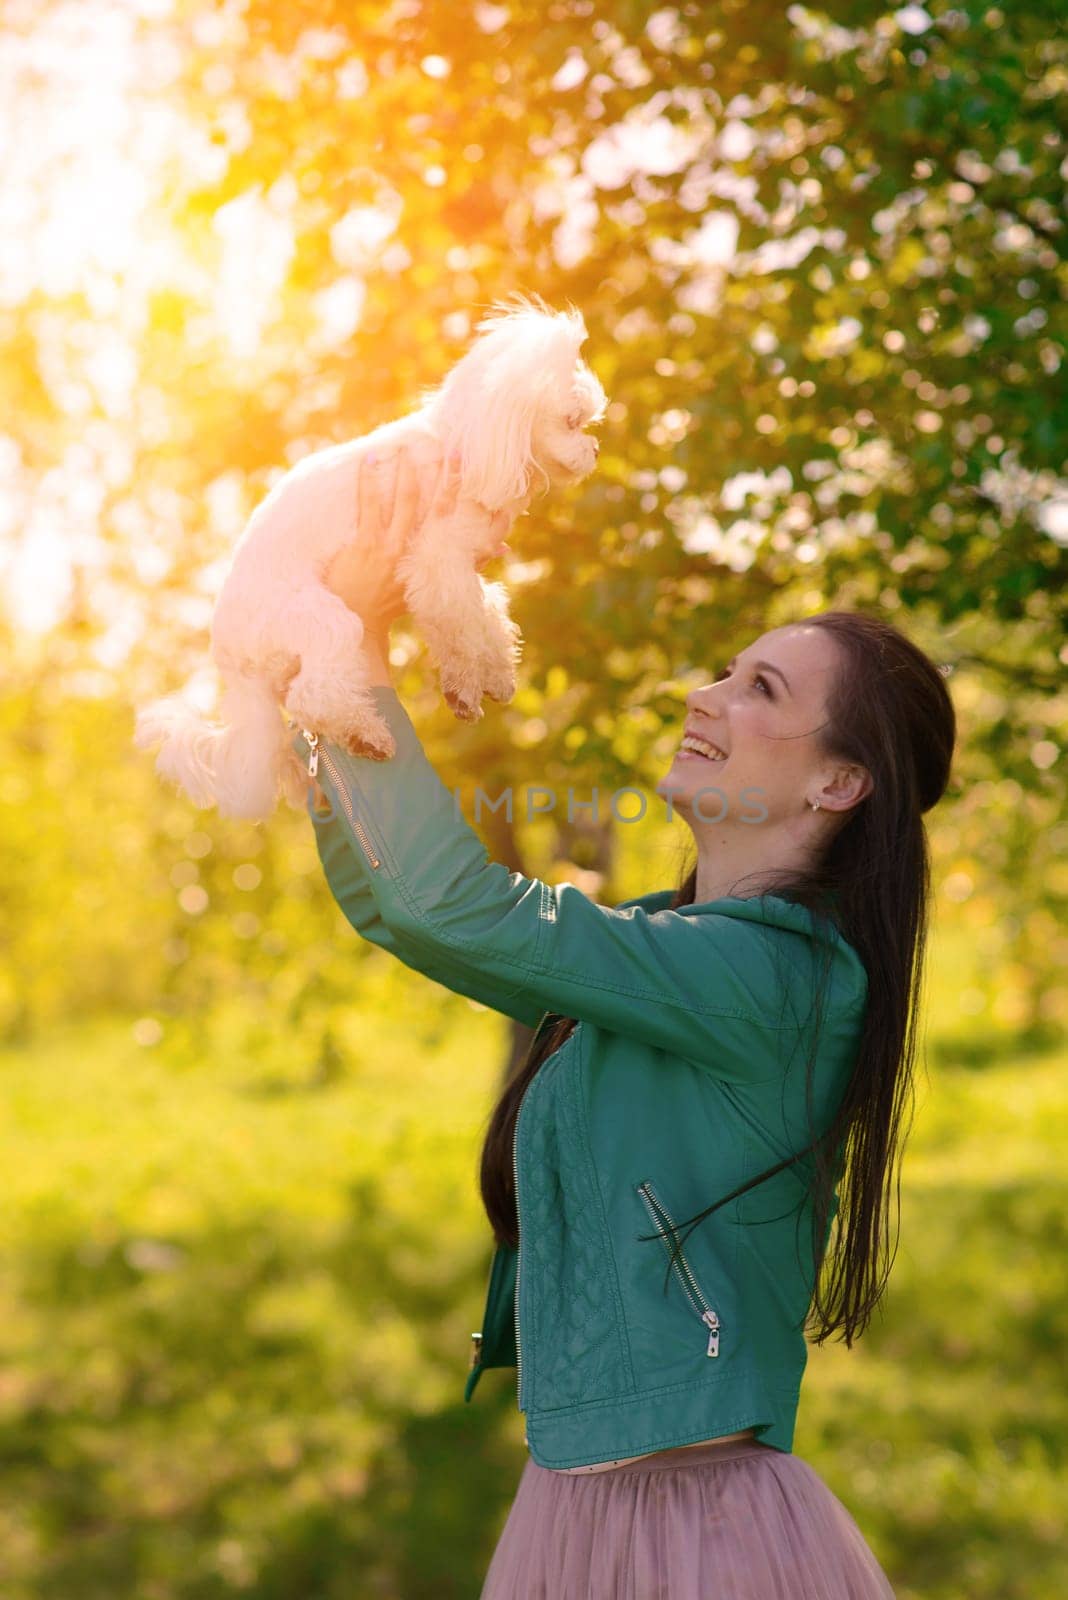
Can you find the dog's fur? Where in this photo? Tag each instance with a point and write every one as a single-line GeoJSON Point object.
{"type": "Point", "coordinates": [513, 410]}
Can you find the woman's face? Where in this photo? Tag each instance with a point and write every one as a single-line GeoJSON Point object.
{"type": "Point", "coordinates": [764, 713]}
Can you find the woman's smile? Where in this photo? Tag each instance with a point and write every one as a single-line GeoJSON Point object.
{"type": "Point", "coordinates": [694, 748]}
{"type": "Point", "coordinates": [694, 755]}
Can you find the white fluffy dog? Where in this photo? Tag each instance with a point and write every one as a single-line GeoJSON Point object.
{"type": "Point", "coordinates": [513, 410]}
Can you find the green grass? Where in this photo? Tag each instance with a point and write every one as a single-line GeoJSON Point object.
{"type": "Point", "coordinates": [239, 1268]}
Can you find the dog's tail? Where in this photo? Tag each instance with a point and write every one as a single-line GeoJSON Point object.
{"type": "Point", "coordinates": [238, 766]}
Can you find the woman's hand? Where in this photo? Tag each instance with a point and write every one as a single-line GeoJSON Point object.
{"type": "Point", "coordinates": [446, 499]}
{"type": "Point", "coordinates": [388, 509]}
{"type": "Point", "coordinates": [392, 500]}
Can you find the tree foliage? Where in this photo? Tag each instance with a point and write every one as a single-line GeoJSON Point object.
{"type": "Point", "coordinates": [820, 258]}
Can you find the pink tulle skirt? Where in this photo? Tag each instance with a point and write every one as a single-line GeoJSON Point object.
{"type": "Point", "coordinates": [735, 1521]}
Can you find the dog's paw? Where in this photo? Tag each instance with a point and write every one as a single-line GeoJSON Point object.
{"type": "Point", "coordinates": [465, 708]}
{"type": "Point", "coordinates": [374, 742]}
{"type": "Point", "coordinates": [358, 746]}
{"type": "Point", "coordinates": [500, 686]}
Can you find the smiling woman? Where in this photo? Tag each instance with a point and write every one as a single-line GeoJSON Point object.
{"type": "Point", "coordinates": [672, 1033]}
{"type": "Point", "coordinates": [845, 758]}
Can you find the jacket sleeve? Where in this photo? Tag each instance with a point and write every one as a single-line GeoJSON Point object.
{"type": "Point", "coordinates": [347, 876]}
{"type": "Point", "coordinates": [699, 987]}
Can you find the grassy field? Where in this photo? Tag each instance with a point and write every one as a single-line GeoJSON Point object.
{"type": "Point", "coordinates": [240, 1262]}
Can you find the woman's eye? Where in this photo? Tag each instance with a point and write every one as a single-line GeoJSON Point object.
{"type": "Point", "coordinates": [760, 678]}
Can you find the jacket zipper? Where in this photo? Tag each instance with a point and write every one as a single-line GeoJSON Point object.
{"type": "Point", "coordinates": [660, 1215]}
{"type": "Point", "coordinates": [355, 824]}
{"type": "Point", "coordinates": [515, 1181]}
{"type": "Point", "coordinates": [518, 1257]}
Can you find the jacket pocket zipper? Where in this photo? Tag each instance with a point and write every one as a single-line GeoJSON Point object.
{"type": "Point", "coordinates": [354, 823]}
{"type": "Point", "coordinates": [681, 1266]}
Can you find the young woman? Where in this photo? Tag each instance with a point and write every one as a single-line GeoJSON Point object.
{"type": "Point", "coordinates": [718, 1072]}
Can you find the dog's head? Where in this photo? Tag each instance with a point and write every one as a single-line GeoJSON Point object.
{"type": "Point", "coordinates": [516, 407]}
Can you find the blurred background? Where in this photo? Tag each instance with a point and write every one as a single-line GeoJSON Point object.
{"type": "Point", "coordinates": [821, 259]}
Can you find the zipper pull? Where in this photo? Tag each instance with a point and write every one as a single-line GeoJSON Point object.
{"type": "Point", "coordinates": [476, 1351]}
{"type": "Point", "coordinates": [713, 1332]}
{"type": "Point", "coordinates": [313, 759]}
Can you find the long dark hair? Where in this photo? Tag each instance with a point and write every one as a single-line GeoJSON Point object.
{"type": "Point", "coordinates": [889, 711]}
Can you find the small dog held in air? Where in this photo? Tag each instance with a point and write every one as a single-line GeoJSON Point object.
{"type": "Point", "coordinates": [513, 411]}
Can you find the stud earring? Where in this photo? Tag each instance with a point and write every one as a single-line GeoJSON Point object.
{"type": "Point", "coordinates": [814, 804]}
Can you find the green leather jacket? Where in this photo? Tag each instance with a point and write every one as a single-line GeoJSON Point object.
{"type": "Point", "coordinates": [684, 1077]}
